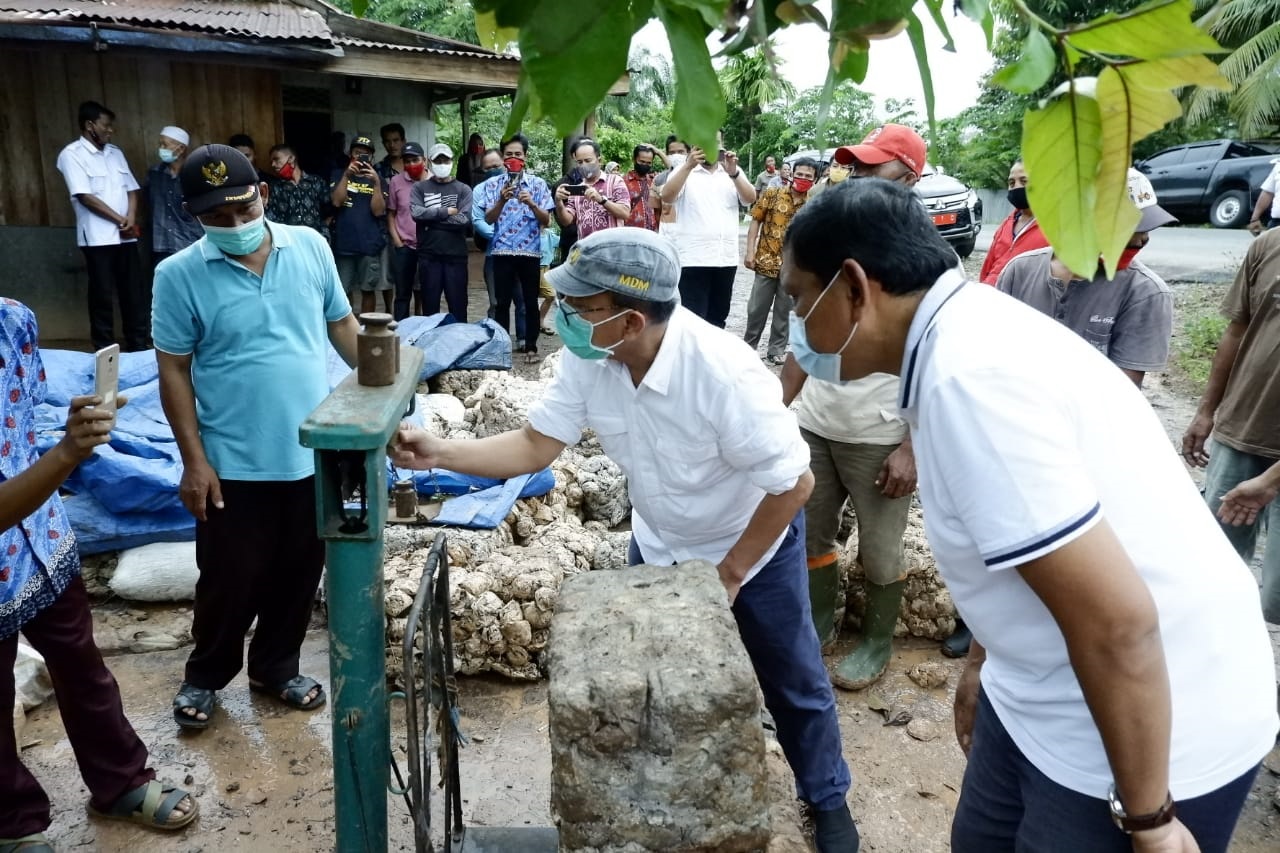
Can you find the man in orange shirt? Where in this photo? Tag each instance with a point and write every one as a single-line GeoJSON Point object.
{"type": "Point", "coordinates": [1018, 233]}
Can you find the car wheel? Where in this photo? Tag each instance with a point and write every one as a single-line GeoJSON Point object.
{"type": "Point", "coordinates": [1230, 210]}
{"type": "Point", "coordinates": [964, 248]}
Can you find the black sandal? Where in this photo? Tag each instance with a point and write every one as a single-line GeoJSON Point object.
{"type": "Point", "coordinates": [196, 698]}
{"type": "Point", "coordinates": [292, 692]}
{"type": "Point", "coordinates": [151, 805]}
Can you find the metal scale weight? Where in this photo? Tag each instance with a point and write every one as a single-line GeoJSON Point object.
{"type": "Point", "coordinates": [349, 433]}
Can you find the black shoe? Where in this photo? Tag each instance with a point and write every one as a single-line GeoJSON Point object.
{"type": "Point", "coordinates": [834, 831]}
{"type": "Point", "coordinates": [957, 645]}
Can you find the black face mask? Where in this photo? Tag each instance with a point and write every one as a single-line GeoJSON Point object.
{"type": "Point", "coordinates": [1018, 198]}
{"type": "Point", "coordinates": [643, 168]}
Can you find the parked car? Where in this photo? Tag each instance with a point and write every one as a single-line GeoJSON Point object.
{"type": "Point", "coordinates": [955, 208]}
{"type": "Point", "coordinates": [1215, 181]}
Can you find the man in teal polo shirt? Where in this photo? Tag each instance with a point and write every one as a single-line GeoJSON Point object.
{"type": "Point", "coordinates": [243, 321]}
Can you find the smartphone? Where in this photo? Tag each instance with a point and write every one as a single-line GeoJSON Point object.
{"type": "Point", "coordinates": [576, 189]}
{"type": "Point", "coordinates": [720, 156]}
{"type": "Point", "coordinates": [364, 158]}
{"type": "Point", "coordinates": [106, 375]}
{"type": "Point", "coordinates": [513, 178]}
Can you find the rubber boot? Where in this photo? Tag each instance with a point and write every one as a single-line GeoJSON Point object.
{"type": "Point", "coordinates": [957, 645]}
{"type": "Point", "coordinates": [865, 664]}
{"type": "Point", "coordinates": [824, 586]}
{"type": "Point", "coordinates": [834, 831]}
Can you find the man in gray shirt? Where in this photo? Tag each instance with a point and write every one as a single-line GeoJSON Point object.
{"type": "Point", "coordinates": [1128, 319]}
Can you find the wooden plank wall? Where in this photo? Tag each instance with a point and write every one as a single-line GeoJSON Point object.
{"type": "Point", "coordinates": [38, 116]}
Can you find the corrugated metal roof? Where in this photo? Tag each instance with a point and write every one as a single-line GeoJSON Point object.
{"type": "Point", "coordinates": [257, 19]}
{"type": "Point", "coordinates": [349, 41]}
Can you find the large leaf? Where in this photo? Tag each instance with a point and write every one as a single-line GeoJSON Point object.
{"type": "Point", "coordinates": [1128, 113]}
{"type": "Point", "coordinates": [511, 14]}
{"type": "Point", "coordinates": [869, 19]}
{"type": "Point", "coordinates": [935, 12]}
{"type": "Point", "coordinates": [1154, 30]}
{"type": "Point", "coordinates": [576, 52]}
{"type": "Point", "coordinates": [915, 32]}
{"type": "Point", "coordinates": [491, 35]}
{"type": "Point", "coordinates": [980, 11]}
{"type": "Point", "coordinates": [1061, 147]}
{"type": "Point", "coordinates": [848, 63]}
{"type": "Point", "coordinates": [699, 110]}
{"type": "Point", "coordinates": [1032, 70]}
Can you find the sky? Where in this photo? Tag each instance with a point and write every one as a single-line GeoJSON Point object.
{"type": "Point", "coordinates": [893, 72]}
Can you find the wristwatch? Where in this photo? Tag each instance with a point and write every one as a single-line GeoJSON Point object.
{"type": "Point", "coordinates": [1137, 823]}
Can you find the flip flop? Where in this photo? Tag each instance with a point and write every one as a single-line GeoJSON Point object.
{"type": "Point", "coordinates": [150, 805]}
{"type": "Point", "coordinates": [193, 697]}
{"type": "Point", "coordinates": [292, 692]}
{"type": "Point", "coordinates": [33, 843]}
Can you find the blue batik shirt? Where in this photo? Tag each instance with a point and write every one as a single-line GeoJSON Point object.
{"type": "Point", "coordinates": [517, 231]}
{"type": "Point", "coordinates": [38, 556]}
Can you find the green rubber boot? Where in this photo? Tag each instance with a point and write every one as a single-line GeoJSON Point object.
{"type": "Point", "coordinates": [824, 586]}
{"type": "Point", "coordinates": [865, 664]}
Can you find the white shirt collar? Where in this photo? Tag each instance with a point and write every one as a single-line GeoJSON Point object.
{"type": "Point", "coordinates": [658, 377]}
{"type": "Point", "coordinates": [947, 286]}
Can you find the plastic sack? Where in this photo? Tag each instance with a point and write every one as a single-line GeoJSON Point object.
{"type": "Point", "coordinates": [162, 571]}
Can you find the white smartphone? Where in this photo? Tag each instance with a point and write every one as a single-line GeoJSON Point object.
{"type": "Point", "coordinates": [106, 375]}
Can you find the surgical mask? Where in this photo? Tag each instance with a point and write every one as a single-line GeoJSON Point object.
{"type": "Point", "coordinates": [576, 332]}
{"type": "Point", "coordinates": [802, 185]}
{"type": "Point", "coordinates": [494, 172]}
{"type": "Point", "coordinates": [166, 156]}
{"type": "Point", "coordinates": [441, 170]}
{"type": "Point", "coordinates": [675, 161]}
{"type": "Point", "coordinates": [415, 170]}
{"type": "Point", "coordinates": [643, 168]}
{"type": "Point", "coordinates": [238, 240]}
{"type": "Point", "coordinates": [1018, 198]}
{"type": "Point", "coordinates": [837, 174]}
{"type": "Point", "coordinates": [819, 365]}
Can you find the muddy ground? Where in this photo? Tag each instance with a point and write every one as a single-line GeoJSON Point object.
{"type": "Point", "coordinates": [262, 774]}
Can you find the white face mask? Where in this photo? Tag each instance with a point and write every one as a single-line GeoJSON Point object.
{"type": "Point", "coordinates": [441, 170]}
{"type": "Point", "coordinates": [675, 161]}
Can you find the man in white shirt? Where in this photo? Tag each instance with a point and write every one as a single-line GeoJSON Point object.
{"type": "Point", "coordinates": [1268, 206]}
{"type": "Point", "coordinates": [104, 196]}
{"type": "Point", "coordinates": [1120, 662]}
{"type": "Point", "coordinates": [715, 466]}
{"type": "Point", "coordinates": [706, 195]}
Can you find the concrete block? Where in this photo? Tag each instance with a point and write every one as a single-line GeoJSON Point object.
{"type": "Point", "coordinates": [656, 742]}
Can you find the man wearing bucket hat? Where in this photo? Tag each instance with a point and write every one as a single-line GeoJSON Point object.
{"type": "Point", "coordinates": [243, 315]}
{"type": "Point", "coordinates": [1129, 319]}
{"type": "Point", "coordinates": [715, 467]}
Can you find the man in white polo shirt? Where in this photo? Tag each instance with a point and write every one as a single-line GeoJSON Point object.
{"type": "Point", "coordinates": [715, 466]}
{"type": "Point", "coordinates": [1120, 662]}
{"type": "Point", "coordinates": [706, 194]}
{"type": "Point", "coordinates": [104, 196]}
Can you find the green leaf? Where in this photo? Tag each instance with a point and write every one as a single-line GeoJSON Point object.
{"type": "Point", "coordinates": [1154, 30]}
{"type": "Point", "coordinates": [359, 7]}
{"type": "Point", "coordinates": [699, 110]}
{"type": "Point", "coordinates": [935, 12]}
{"type": "Point", "coordinates": [1061, 147]}
{"type": "Point", "coordinates": [793, 12]}
{"type": "Point", "coordinates": [577, 53]}
{"type": "Point", "coordinates": [713, 12]}
{"type": "Point", "coordinates": [1033, 70]}
{"type": "Point", "coordinates": [870, 19]}
{"type": "Point", "coordinates": [508, 13]}
{"type": "Point", "coordinates": [521, 105]}
{"type": "Point", "coordinates": [915, 32]}
{"type": "Point", "coordinates": [848, 63]}
{"type": "Point", "coordinates": [1128, 113]}
{"type": "Point", "coordinates": [980, 11]}
{"type": "Point", "coordinates": [493, 36]}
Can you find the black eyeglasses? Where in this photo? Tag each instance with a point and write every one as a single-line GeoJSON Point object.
{"type": "Point", "coordinates": [570, 312]}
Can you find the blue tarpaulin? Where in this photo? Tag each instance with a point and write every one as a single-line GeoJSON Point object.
{"type": "Point", "coordinates": [126, 494]}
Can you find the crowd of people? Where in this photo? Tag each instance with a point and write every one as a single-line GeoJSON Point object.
{"type": "Point", "coordinates": [1119, 692]}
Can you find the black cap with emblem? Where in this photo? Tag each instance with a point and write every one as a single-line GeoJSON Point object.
{"type": "Point", "coordinates": [215, 175]}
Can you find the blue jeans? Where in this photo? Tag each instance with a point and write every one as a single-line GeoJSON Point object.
{"type": "Point", "coordinates": [1008, 806]}
{"type": "Point", "coordinates": [1229, 467]}
{"type": "Point", "coordinates": [777, 630]}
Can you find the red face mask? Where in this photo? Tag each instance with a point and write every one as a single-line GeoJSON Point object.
{"type": "Point", "coordinates": [286, 171]}
{"type": "Point", "coordinates": [1127, 256]}
{"type": "Point", "coordinates": [769, 169]}
{"type": "Point", "coordinates": [801, 185]}
{"type": "Point", "coordinates": [415, 170]}
{"type": "Point", "coordinates": [478, 148]}
{"type": "Point", "coordinates": [514, 164]}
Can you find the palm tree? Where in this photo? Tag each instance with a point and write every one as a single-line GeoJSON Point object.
{"type": "Point", "coordinates": [753, 81]}
{"type": "Point", "coordinates": [652, 84]}
{"type": "Point", "coordinates": [1251, 29]}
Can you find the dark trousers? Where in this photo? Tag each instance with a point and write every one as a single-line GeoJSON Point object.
{"type": "Point", "coordinates": [776, 626]}
{"type": "Point", "coordinates": [512, 274]}
{"type": "Point", "coordinates": [111, 758]}
{"type": "Point", "coordinates": [114, 274]}
{"type": "Point", "coordinates": [260, 557]}
{"type": "Point", "coordinates": [1007, 805]}
{"type": "Point", "coordinates": [707, 292]}
{"type": "Point", "coordinates": [446, 276]}
{"type": "Point", "coordinates": [404, 275]}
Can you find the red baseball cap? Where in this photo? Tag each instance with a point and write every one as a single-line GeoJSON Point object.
{"type": "Point", "coordinates": [885, 143]}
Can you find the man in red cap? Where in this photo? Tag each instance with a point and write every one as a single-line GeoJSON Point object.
{"type": "Point", "coordinates": [894, 152]}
